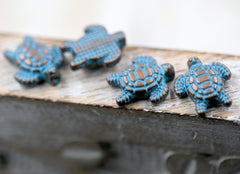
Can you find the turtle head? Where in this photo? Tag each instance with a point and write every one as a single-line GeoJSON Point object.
{"type": "Point", "coordinates": [29, 41]}
{"type": "Point", "coordinates": [52, 75]}
{"type": "Point", "coordinates": [168, 71]}
{"type": "Point", "coordinates": [193, 61]}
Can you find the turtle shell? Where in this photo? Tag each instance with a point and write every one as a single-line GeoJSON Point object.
{"type": "Point", "coordinates": [33, 57]}
{"type": "Point", "coordinates": [140, 77]}
{"type": "Point", "coordinates": [203, 82]}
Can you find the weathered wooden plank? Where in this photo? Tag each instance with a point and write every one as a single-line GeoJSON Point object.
{"type": "Point", "coordinates": [89, 87]}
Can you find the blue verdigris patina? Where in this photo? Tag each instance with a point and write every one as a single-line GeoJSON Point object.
{"type": "Point", "coordinates": [143, 79]}
{"type": "Point", "coordinates": [36, 62]}
{"type": "Point", "coordinates": [204, 84]}
{"type": "Point", "coordinates": [97, 48]}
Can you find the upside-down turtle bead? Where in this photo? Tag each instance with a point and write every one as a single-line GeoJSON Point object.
{"type": "Point", "coordinates": [97, 48]}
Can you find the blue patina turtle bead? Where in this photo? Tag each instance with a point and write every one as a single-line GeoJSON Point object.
{"type": "Point", "coordinates": [204, 84]}
{"type": "Point", "coordinates": [36, 62]}
{"type": "Point", "coordinates": [143, 79]}
{"type": "Point", "coordinates": [97, 48]}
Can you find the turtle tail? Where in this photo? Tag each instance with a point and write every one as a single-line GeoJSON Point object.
{"type": "Point", "coordinates": [10, 55]}
{"type": "Point", "coordinates": [114, 79]}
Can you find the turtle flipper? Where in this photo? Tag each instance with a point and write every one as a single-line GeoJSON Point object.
{"type": "Point", "coordinates": [28, 78]}
{"type": "Point", "coordinates": [125, 98]}
{"type": "Point", "coordinates": [57, 56]}
{"type": "Point", "coordinates": [144, 59]}
{"type": "Point", "coordinates": [78, 63]}
{"type": "Point", "coordinates": [119, 39]}
{"type": "Point", "coordinates": [222, 69]}
{"type": "Point", "coordinates": [201, 108]}
{"type": "Point", "coordinates": [95, 28]}
{"type": "Point", "coordinates": [87, 59]}
{"type": "Point", "coordinates": [160, 93]}
{"type": "Point", "coordinates": [225, 98]}
{"type": "Point", "coordinates": [113, 57]}
{"type": "Point", "coordinates": [179, 86]}
{"type": "Point", "coordinates": [114, 79]}
{"type": "Point", "coordinates": [10, 55]}
{"type": "Point", "coordinates": [67, 47]}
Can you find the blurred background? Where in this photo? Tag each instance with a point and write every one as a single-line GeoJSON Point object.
{"type": "Point", "coordinates": [200, 25]}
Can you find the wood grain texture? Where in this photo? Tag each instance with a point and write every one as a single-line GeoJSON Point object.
{"type": "Point", "coordinates": [89, 87]}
